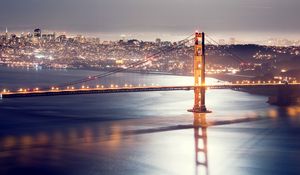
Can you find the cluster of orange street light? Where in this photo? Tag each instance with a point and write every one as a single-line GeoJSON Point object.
{"type": "Point", "coordinates": [86, 87]}
{"type": "Point", "coordinates": [264, 82]}
{"type": "Point", "coordinates": [83, 87]}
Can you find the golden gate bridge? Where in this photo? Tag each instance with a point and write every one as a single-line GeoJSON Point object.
{"type": "Point", "coordinates": [285, 91]}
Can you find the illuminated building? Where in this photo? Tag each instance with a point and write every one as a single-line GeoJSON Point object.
{"type": "Point", "coordinates": [37, 33]}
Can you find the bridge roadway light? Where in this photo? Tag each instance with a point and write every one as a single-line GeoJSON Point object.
{"type": "Point", "coordinates": [5, 91]}
{"type": "Point", "coordinates": [72, 88]}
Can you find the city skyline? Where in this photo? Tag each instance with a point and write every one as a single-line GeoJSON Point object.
{"type": "Point", "coordinates": [267, 40]}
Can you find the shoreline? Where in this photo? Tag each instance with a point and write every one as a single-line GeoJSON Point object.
{"type": "Point", "coordinates": [100, 70]}
{"type": "Point", "coordinates": [221, 77]}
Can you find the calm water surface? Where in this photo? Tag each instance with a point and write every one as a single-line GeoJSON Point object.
{"type": "Point", "coordinates": [147, 133]}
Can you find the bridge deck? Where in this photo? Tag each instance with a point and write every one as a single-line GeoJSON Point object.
{"type": "Point", "coordinates": [137, 89]}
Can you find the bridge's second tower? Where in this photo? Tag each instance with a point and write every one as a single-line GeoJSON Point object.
{"type": "Point", "coordinates": [199, 73]}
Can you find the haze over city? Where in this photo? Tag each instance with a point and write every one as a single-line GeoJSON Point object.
{"type": "Point", "coordinates": [248, 20]}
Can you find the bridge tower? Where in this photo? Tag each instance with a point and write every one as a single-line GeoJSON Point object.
{"type": "Point", "coordinates": [199, 74]}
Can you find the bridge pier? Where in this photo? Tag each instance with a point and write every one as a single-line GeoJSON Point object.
{"type": "Point", "coordinates": [285, 95]}
{"type": "Point", "coordinates": [199, 101]}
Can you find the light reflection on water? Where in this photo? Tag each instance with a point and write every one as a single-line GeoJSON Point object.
{"type": "Point", "coordinates": [201, 146]}
{"type": "Point", "coordinates": [213, 144]}
{"type": "Point", "coordinates": [147, 133]}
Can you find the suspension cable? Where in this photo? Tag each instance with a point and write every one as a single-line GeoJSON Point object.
{"type": "Point", "coordinates": [147, 59]}
{"type": "Point", "coordinates": [234, 56]}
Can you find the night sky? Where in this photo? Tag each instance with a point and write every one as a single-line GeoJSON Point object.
{"type": "Point", "coordinates": [153, 16]}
